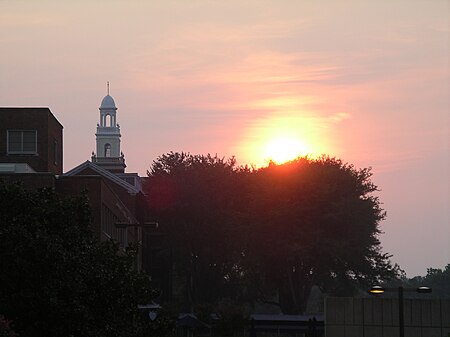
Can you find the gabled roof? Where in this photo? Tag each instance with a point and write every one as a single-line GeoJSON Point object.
{"type": "Point", "coordinates": [104, 173]}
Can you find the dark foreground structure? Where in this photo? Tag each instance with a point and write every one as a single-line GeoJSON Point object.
{"type": "Point", "coordinates": [287, 325]}
{"type": "Point", "coordinates": [375, 317]}
{"type": "Point", "coordinates": [188, 325]}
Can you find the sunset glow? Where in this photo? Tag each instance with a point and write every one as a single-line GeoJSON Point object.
{"type": "Point", "coordinates": [283, 149]}
{"type": "Point", "coordinates": [283, 138]}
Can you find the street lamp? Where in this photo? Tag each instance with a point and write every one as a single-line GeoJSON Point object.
{"type": "Point", "coordinates": [377, 290]}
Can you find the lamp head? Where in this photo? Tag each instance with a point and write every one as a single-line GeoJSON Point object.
{"type": "Point", "coordinates": [376, 290]}
{"type": "Point", "coordinates": [424, 290]}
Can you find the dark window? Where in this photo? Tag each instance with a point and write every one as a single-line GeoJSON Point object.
{"type": "Point", "coordinates": [22, 141]}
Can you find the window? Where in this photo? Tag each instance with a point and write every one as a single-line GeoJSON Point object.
{"type": "Point", "coordinates": [107, 150]}
{"type": "Point", "coordinates": [22, 141]}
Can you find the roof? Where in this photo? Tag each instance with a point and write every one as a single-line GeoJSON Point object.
{"type": "Point", "coordinates": [191, 321]}
{"type": "Point", "coordinates": [106, 174]}
{"type": "Point", "coordinates": [108, 103]}
{"type": "Point", "coordinates": [30, 109]}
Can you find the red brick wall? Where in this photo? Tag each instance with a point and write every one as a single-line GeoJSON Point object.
{"type": "Point", "coordinates": [48, 130]}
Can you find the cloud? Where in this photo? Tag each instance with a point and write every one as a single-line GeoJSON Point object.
{"type": "Point", "coordinates": [338, 117]}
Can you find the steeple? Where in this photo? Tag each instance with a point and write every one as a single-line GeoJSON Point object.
{"type": "Point", "coordinates": [108, 136]}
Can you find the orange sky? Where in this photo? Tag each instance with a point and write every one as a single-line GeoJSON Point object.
{"type": "Point", "coordinates": [366, 81]}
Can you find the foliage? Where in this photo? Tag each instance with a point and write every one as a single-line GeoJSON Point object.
{"type": "Point", "coordinates": [317, 224]}
{"type": "Point", "coordinates": [247, 234]}
{"type": "Point", "coordinates": [437, 279]}
{"type": "Point", "coordinates": [191, 196]}
{"type": "Point", "coordinates": [57, 279]}
{"type": "Point", "coordinates": [233, 318]}
{"type": "Point", "coordinates": [163, 325]}
{"type": "Point", "coordinates": [5, 328]}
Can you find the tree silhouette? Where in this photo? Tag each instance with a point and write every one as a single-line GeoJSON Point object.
{"type": "Point", "coordinates": [259, 234]}
{"type": "Point", "coordinates": [57, 279]}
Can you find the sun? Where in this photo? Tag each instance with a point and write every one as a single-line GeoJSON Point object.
{"type": "Point", "coordinates": [282, 138]}
{"type": "Point", "coordinates": [283, 149]}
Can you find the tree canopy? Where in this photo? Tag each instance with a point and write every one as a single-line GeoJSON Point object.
{"type": "Point", "coordinates": [57, 279]}
{"type": "Point", "coordinates": [437, 279]}
{"type": "Point", "coordinates": [258, 234]}
{"type": "Point", "coordinates": [193, 197]}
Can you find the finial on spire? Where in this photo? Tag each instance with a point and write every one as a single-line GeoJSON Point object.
{"type": "Point", "coordinates": [107, 85]}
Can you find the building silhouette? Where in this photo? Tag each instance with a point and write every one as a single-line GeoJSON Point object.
{"type": "Point", "coordinates": [30, 141]}
{"type": "Point", "coordinates": [31, 152]}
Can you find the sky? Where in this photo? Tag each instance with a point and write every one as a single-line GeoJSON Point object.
{"type": "Point", "coordinates": [364, 81]}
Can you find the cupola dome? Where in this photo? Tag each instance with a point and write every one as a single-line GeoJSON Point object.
{"type": "Point", "coordinates": [108, 103]}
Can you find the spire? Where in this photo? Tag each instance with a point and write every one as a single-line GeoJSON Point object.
{"type": "Point", "coordinates": [107, 86]}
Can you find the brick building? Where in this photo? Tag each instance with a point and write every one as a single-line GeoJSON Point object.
{"type": "Point", "coordinates": [31, 151]}
{"type": "Point", "coordinates": [31, 141]}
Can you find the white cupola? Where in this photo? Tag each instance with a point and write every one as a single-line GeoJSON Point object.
{"type": "Point", "coordinates": [108, 136]}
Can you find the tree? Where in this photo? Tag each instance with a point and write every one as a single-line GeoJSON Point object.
{"type": "Point", "coordinates": [192, 197]}
{"type": "Point", "coordinates": [5, 328]}
{"type": "Point", "coordinates": [251, 234]}
{"type": "Point", "coordinates": [437, 279]}
{"type": "Point", "coordinates": [57, 279]}
{"type": "Point", "coordinates": [315, 222]}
